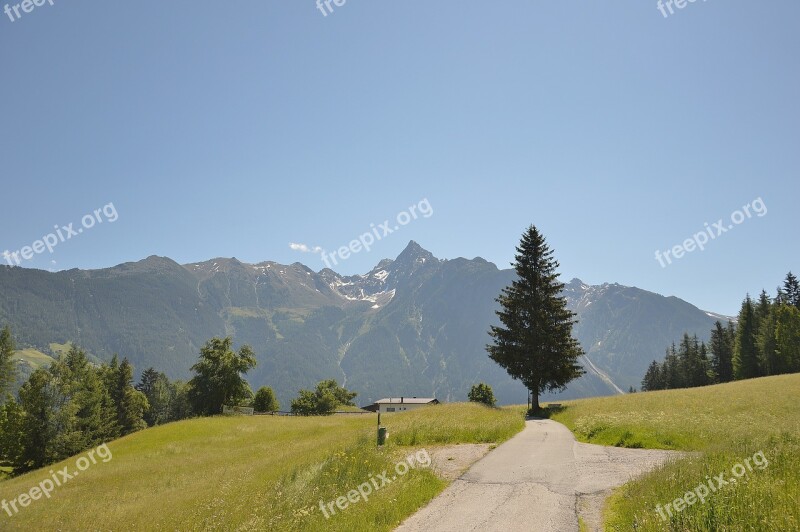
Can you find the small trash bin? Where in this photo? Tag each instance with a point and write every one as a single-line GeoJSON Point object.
{"type": "Point", "coordinates": [383, 433]}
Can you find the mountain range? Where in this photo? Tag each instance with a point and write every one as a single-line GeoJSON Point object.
{"type": "Point", "coordinates": [412, 326]}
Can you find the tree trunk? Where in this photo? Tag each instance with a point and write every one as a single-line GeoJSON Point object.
{"type": "Point", "coordinates": [535, 402]}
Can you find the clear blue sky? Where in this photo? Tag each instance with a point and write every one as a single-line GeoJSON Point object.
{"type": "Point", "coordinates": [222, 129]}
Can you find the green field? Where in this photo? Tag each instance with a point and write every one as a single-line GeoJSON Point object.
{"type": "Point", "coordinates": [256, 473]}
{"type": "Point", "coordinates": [270, 473]}
{"type": "Point", "coordinates": [726, 424]}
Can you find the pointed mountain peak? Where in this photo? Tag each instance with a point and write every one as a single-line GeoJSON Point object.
{"type": "Point", "coordinates": [413, 252]}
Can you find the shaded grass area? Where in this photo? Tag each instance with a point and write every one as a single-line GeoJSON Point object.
{"type": "Point", "coordinates": [256, 473]}
{"type": "Point", "coordinates": [728, 424]}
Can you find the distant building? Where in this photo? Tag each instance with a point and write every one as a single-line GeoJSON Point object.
{"type": "Point", "coordinates": [400, 404]}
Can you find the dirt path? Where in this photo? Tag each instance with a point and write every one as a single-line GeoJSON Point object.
{"type": "Point", "coordinates": [541, 479]}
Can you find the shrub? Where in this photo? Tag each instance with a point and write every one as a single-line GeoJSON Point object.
{"type": "Point", "coordinates": [482, 393]}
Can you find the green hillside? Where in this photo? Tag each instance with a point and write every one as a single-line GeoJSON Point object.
{"type": "Point", "coordinates": [27, 361]}
{"type": "Point", "coordinates": [727, 425]}
{"type": "Point", "coordinates": [255, 473]}
{"type": "Point", "coordinates": [32, 357]}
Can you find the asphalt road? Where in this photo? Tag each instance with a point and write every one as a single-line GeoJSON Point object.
{"type": "Point", "coordinates": [541, 479]}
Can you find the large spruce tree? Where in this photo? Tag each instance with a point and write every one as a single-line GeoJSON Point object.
{"type": "Point", "coordinates": [534, 343]}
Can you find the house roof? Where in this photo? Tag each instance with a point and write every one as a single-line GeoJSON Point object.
{"type": "Point", "coordinates": [401, 401]}
{"type": "Point", "coordinates": [406, 400]}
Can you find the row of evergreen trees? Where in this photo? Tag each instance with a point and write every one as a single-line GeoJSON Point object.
{"type": "Point", "coordinates": [764, 341]}
{"type": "Point", "coordinates": [67, 408]}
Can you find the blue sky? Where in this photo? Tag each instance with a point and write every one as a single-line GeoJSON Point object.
{"type": "Point", "coordinates": [235, 130]}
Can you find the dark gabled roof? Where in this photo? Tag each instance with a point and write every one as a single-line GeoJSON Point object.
{"type": "Point", "coordinates": [401, 401]}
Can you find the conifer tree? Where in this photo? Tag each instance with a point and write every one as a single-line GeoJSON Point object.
{"type": "Point", "coordinates": [762, 307]}
{"type": "Point", "coordinates": [161, 397]}
{"type": "Point", "coordinates": [11, 442]}
{"type": "Point", "coordinates": [672, 374]}
{"type": "Point", "coordinates": [130, 403]}
{"type": "Point", "coordinates": [787, 338]}
{"type": "Point", "coordinates": [7, 373]}
{"type": "Point", "coordinates": [745, 356]}
{"type": "Point", "coordinates": [39, 427]}
{"type": "Point", "coordinates": [653, 379]}
{"type": "Point", "coordinates": [147, 381]}
{"type": "Point", "coordinates": [693, 362]}
{"type": "Point", "coordinates": [703, 377]}
{"type": "Point", "coordinates": [88, 416]}
{"type": "Point", "coordinates": [534, 344]}
{"type": "Point", "coordinates": [791, 290]}
{"type": "Point", "coordinates": [722, 343]}
{"type": "Point", "coordinates": [769, 360]}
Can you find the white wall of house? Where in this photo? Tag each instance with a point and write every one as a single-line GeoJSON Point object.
{"type": "Point", "coordinates": [400, 407]}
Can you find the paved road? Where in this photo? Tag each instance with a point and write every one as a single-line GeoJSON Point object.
{"type": "Point", "coordinates": [541, 479]}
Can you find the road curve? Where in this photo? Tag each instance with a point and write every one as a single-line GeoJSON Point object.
{"type": "Point", "coordinates": [541, 479]}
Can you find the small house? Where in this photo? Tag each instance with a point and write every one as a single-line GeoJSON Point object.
{"type": "Point", "coordinates": [400, 404]}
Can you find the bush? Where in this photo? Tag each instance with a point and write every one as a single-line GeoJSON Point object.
{"type": "Point", "coordinates": [323, 401]}
{"type": "Point", "coordinates": [482, 393]}
{"type": "Point", "coordinates": [265, 400]}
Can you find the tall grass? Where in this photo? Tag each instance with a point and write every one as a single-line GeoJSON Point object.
{"type": "Point", "coordinates": [455, 423]}
{"type": "Point", "coordinates": [726, 424]}
{"type": "Point", "coordinates": [262, 473]}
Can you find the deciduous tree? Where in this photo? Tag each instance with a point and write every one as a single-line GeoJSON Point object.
{"type": "Point", "coordinates": [265, 400]}
{"type": "Point", "coordinates": [219, 377]}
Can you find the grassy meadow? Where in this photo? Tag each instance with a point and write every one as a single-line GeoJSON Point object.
{"type": "Point", "coordinates": [725, 424]}
{"type": "Point", "coordinates": [35, 358]}
{"type": "Point", "coordinates": [256, 473]}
